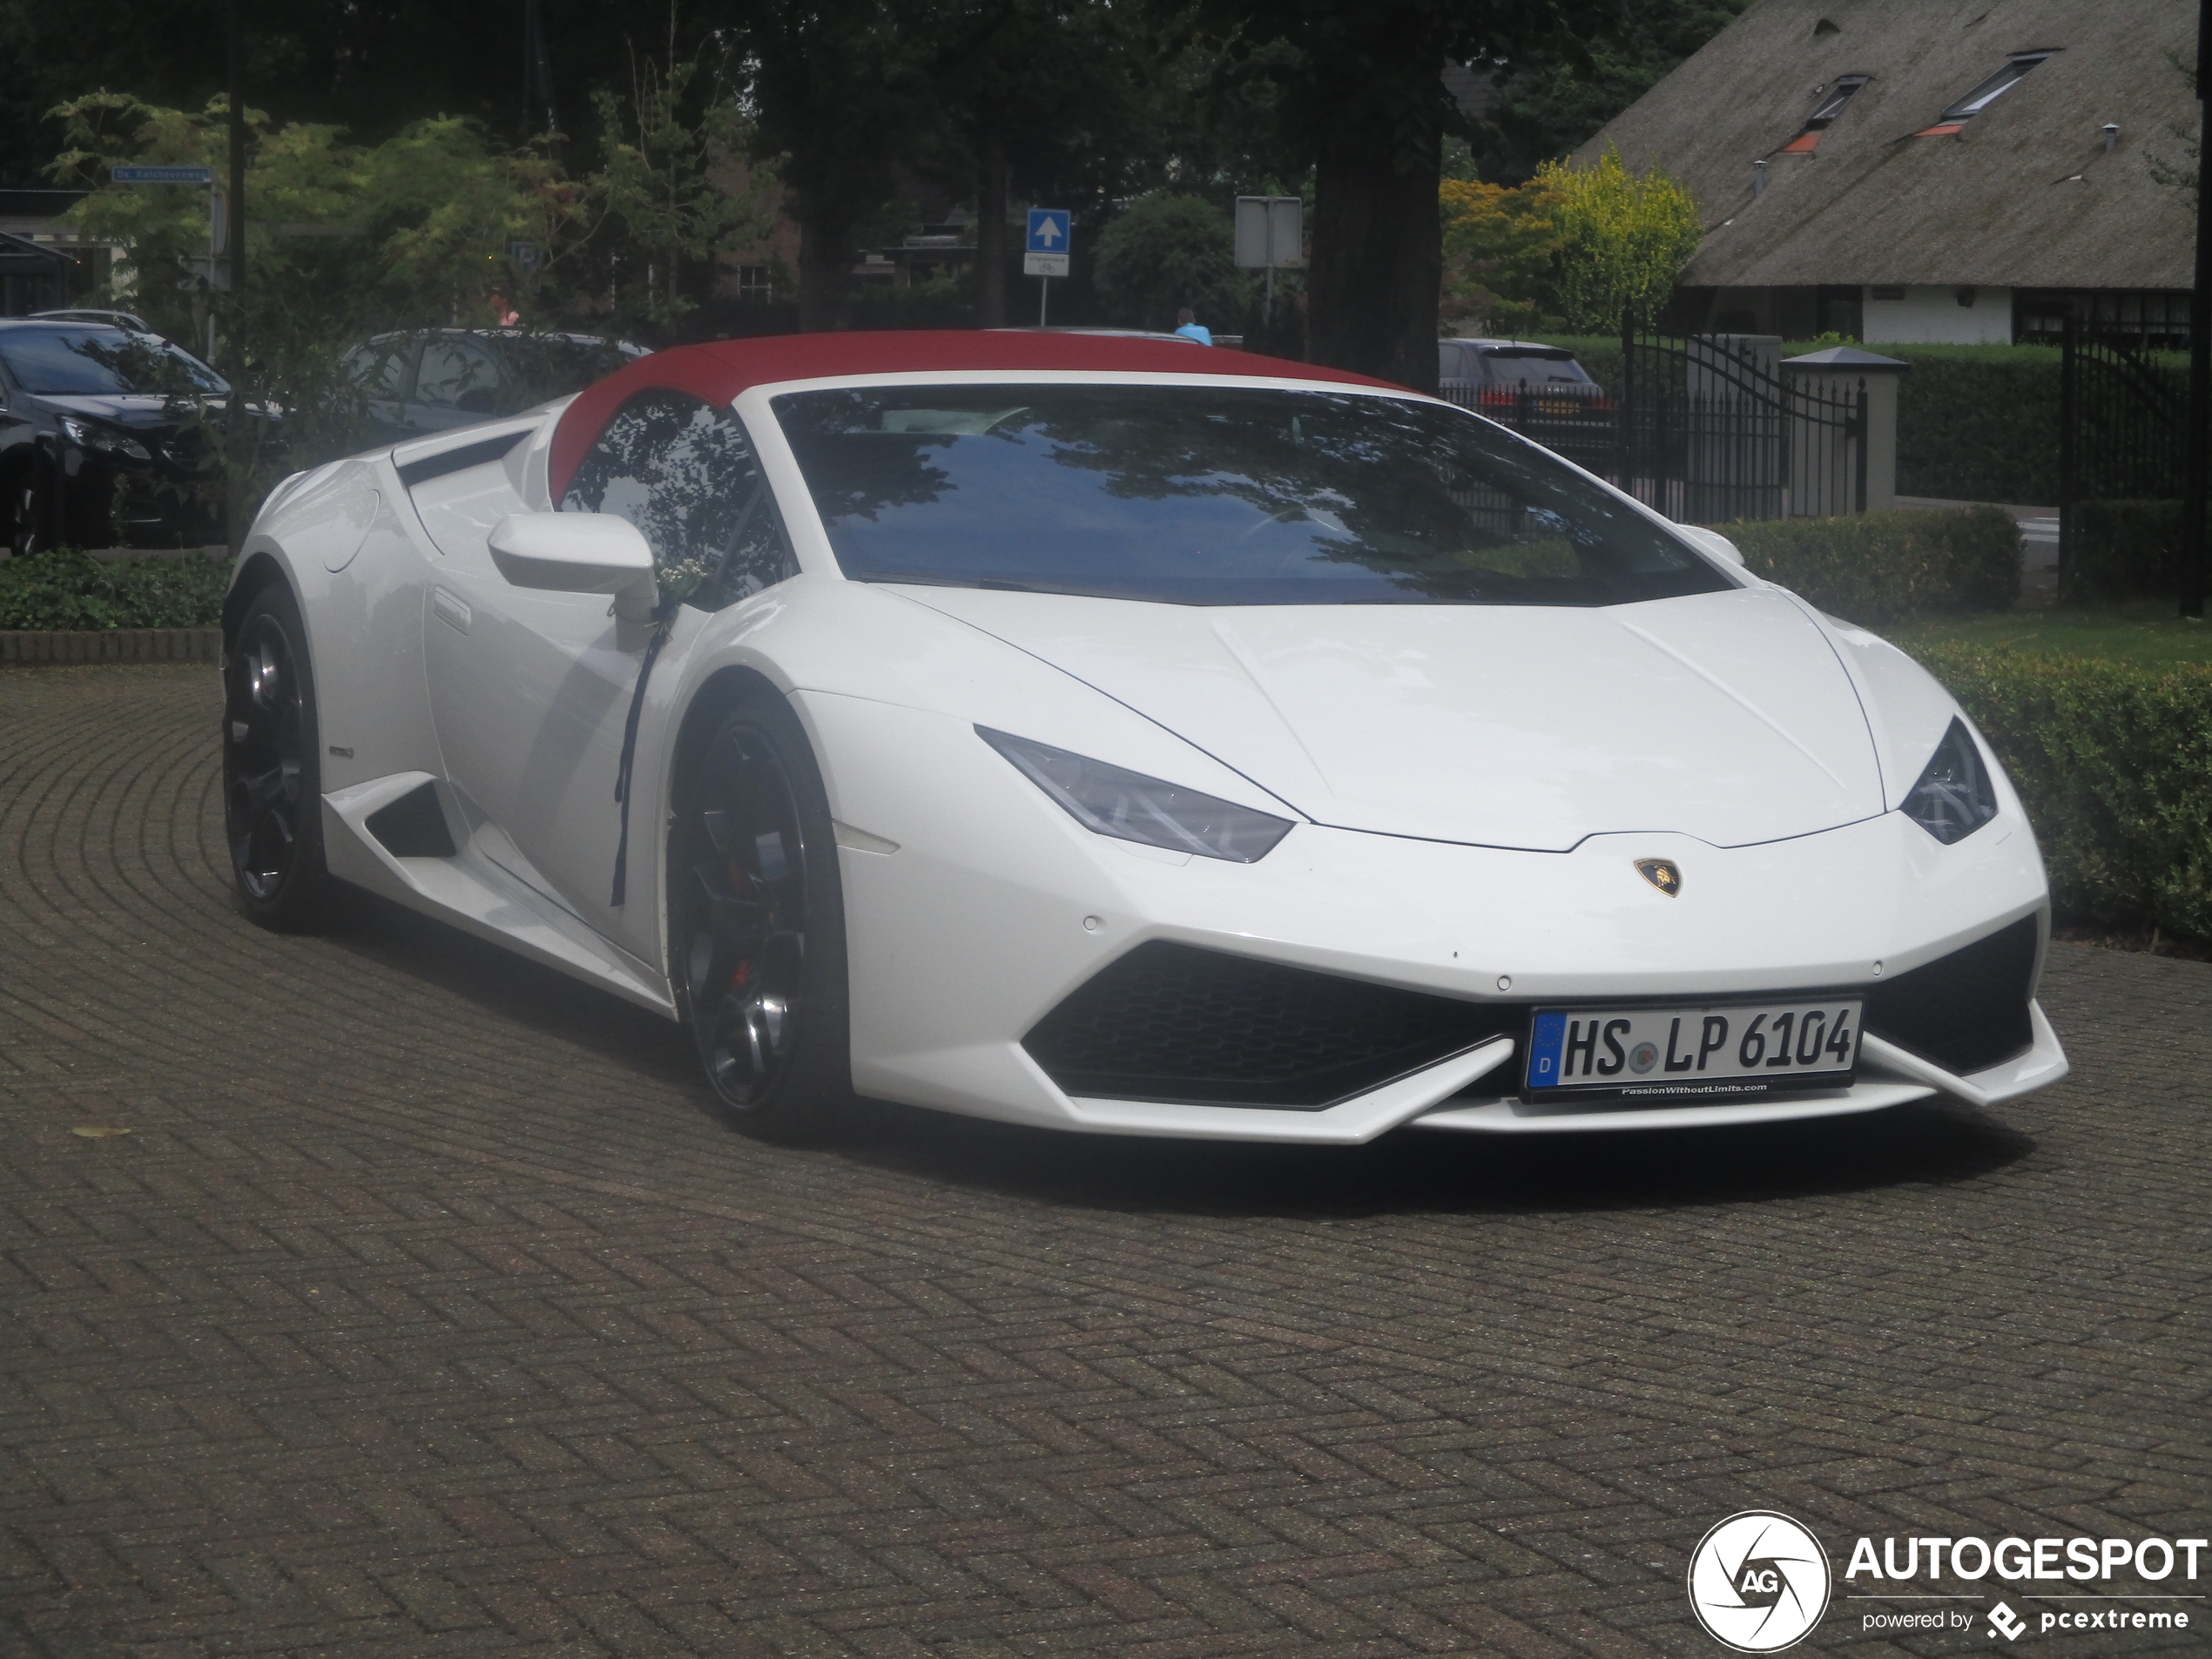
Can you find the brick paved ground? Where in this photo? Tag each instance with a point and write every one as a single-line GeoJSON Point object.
{"type": "Point", "coordinates": [428, 1311]}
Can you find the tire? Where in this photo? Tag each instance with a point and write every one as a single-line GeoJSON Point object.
{"type": "Point", "coordinates": [272, 768]}
{"type": "Point", "coordinates": [757, 926]}
{"type": "Point", "coordinates": [29, 508]}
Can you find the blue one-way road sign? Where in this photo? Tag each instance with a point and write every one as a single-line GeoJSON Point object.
{"type": "Point", "coordinates": [1047, 229]}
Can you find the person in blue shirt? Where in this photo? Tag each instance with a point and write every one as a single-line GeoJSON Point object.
{"type": "Point", "coordinates": [1187, 324]}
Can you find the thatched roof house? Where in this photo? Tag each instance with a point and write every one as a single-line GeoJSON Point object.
{"type": "Point", "coordinates": [1930, 170]}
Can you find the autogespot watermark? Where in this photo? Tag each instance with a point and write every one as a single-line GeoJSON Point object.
{"type": "Point", "coordinates": [1759, 1581]}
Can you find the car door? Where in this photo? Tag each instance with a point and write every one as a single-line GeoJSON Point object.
{"type": "Point", "coordinates": [458, 381]}
{"type": "Point", "coordinates": [532, 690]}
{"type": "Point", "coordinates": [381, 369]}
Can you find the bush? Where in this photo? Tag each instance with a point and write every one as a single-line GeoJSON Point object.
{"type": "Point", "coordinates": [1169, 251]}
{"type": "Point", "coordinates": [1885, 567]}
{"type": "Point", "coordinates": [1978, 422]}
{"type": "Point", "coordinates": [2115, 764]}
{"type": "Point", "coordinates": [67, 590]}
{"type": "Point", "coordinates": [2124, 550]}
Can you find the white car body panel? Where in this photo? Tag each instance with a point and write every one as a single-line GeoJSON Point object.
{"type": "Point", "coordinates": [1471, 785]}
{"type": "Point", "coordinates": [1499, 725]}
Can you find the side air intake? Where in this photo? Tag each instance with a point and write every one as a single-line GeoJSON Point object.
{"type": "Point", "coordinates": [1964, 1011]}
{"type": "Point", "coordinates": [1173, 1022]}
{"type": "Point", "coordinates": [414, 826]}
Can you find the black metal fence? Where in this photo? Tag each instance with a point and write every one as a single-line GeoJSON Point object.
{"type": "Point", "coordinates": [2123, 427]}
{"type": "Point", "coordinates": [1704, 430]}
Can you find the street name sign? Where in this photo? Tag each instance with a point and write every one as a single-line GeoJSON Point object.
{"type": "Point", "coordinates": [1046, 254]}
{"type": "Point", "coordinates": [162, 175]}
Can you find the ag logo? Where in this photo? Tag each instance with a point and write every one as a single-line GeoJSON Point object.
{"type": "Point", "coordinates": [1663, 873]}
{"type": "Point", "coordinates": [1758, 1581]}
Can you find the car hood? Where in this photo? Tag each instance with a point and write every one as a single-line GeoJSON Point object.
{"type": "Point", "coordinates": [1724, 715]}
{"type": "Point", "coordinates": [140, 411]}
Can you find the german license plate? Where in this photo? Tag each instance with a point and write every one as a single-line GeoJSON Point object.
{"type": "Point", "coordinates": [1716, 1051]}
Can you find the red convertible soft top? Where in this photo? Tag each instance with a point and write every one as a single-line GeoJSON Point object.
{"type": "Point", "coordinates": [719, 370]}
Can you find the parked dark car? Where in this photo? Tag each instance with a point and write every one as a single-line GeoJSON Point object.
{"type": "Point", "coordinates": [1540, 391]}
{"type": "Point", "coordinates": [432, 379]}
{"type": "Point", "coordinates": [100, 441]}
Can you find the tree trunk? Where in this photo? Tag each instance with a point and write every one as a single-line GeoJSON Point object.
{"type": "Point", "coordinates": [990, 235]}
{"type": "Point", "coordinates": [1378, 258]}
{"type": "Point", "coordinates": [825, 270]}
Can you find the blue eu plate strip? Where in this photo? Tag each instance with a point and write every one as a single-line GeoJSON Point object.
{"type": "Point", "coordinates": [1543, 1050]}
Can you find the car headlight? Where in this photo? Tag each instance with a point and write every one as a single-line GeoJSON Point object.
{"type": "Point", "coordinates": [1952, 797]}
{"type": "Point", "coordinates": [1130, 807]}
{"type": "Point", "coordinates": [87, 436]}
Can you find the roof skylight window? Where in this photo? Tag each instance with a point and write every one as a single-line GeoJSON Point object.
{"type": "Point", "coordinates": [1987, 93]}
{"type": "Point", "coordinates": [1825, 113]}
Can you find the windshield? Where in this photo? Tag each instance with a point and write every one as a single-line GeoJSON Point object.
{"type": "Point", "coordinates": [93, 362]}
{"type": "Point", "coordinates": [1204, 495]}
{"type": "Point", "coordinates": [1533, 366]}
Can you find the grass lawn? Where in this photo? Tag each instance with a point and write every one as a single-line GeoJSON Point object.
{"type": "Point", "coordinates": [2145, 631]}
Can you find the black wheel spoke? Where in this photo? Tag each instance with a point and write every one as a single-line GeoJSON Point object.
{"type": "Point", "coordinates": [745, 915]}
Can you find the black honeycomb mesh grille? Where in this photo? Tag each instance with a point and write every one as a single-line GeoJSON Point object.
{"type": "Point", "coordinates": [1964, 1011]}
{"type": "Point", "coordinates": [1173, 1022]}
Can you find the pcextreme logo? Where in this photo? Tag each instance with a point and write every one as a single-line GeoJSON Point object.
{"type": "Point", "coordinates": [1758, 1581]}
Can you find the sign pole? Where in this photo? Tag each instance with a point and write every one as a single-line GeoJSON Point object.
{"type": "Point", "coordinates": [2197, 427]}
{"type": "Point", "coordinates": [1045, 256]}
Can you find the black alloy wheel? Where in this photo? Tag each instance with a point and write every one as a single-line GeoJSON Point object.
{"type": "Point", "coordinates": [272, 780]}
{"type": "Point", "coordinates": [757, 925]}
{"type": "Point", "coordinates": [30, 510]}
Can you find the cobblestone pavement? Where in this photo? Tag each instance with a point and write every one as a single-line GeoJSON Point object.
{"type": "Point", "coordinates": [428, 1310]}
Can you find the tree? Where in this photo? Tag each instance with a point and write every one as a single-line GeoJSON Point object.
{"type": "Point", "coordinates": [1553, 104]}
{"type": "Point", "coordinates": [1499, 248]}
{"type": "Point", "coordinates": [1621, 239]}
{"type": "Point", "coordinates": [1362, 93]}
{"type": "Point", "coordinates": [839, 87]}
{"type": "Point", "coordinates": [1168, 251]}
{"type": "Point", "coordinates": [665, 186]}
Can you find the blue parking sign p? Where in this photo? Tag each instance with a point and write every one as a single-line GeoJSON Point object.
{"type": "Point", "coordinates": [1047, 229]}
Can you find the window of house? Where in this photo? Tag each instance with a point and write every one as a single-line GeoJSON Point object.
{"type": "Point", "coordinates": [1825, 113]}
{"type": "Point", "coordinates": [756, 282]}
{"type": "Point", "coordinates": [1983, 96]}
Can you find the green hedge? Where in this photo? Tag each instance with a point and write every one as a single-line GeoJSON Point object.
{"type": "Point", "coordinates": [1978, 422]}
{"type": "Point", "coordinates": [66, 590]}
{"type": "Point", "coordinates": [2124, 550]}
{"type": "Point", "coordinates": [1874, 568]}
{"type": "Point", "coordinates": [2114, 762]}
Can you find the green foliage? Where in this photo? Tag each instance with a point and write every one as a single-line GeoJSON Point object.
{"type": "Point", "coordinates": [665, 186]}
{"type": "Point", "coordinates": [2146, 632]}
{"type": "Point", "coordinates": [2114, 762]}
{"type": "Point", "coordinates": [1553, 104]}
{"type": "Point", "coordinates": [2124, 550]}
{"type": "Point", "coordinates": [1622, 238]}
{"type": "Point", "coordinates": [1978, 422]}
{"type": "Point", "coordinates": [1874, 568]}
{"type": "Point", "coordinates": [1499, 249]}
{"type": "Point", "coordinates": [409, 229]}
{"type": "Point", "coordinates": [1167, 250]}
{"type": "Point", "coordinates": [65, 589]}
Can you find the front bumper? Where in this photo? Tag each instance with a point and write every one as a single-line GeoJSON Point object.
{"type": "Point", "coordinates": [107, 501]}
{"type": "Point", "coordinates": [996, 907]}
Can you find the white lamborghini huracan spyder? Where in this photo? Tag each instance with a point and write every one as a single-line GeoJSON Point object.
{"type": "Point", "coordinates": [1126, 736]}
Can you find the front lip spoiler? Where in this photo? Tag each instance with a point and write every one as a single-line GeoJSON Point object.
{"type": "Point", "coordinates": [1889, 1076]}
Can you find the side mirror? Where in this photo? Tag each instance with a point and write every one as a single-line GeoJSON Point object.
{"type": "Point", "coordinates": [579, 553]}
{"type": "Point", "coordinates": [1712, 543]}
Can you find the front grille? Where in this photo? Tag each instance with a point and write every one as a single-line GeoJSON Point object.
{"type": "Point", "coordinates": [1173, 1022]}
{"type": "Point", "coordinates": [1964, 1011]}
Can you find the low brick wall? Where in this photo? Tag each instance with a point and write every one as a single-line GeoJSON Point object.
{"type": "Point", "coordinates": [113, 645]}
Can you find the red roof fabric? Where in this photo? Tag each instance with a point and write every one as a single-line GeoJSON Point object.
{"type": "Point", "coordinates": [719, 370]}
